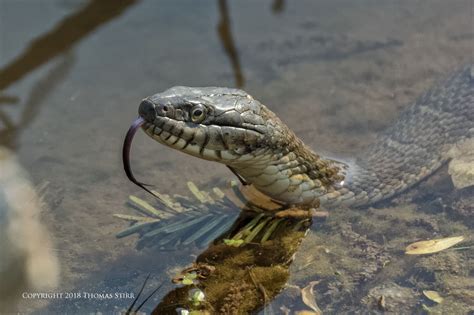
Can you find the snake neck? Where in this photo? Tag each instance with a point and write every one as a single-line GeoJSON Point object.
{"type": "Point", "coordinates": [289, 170]}
{"type": "Point", "coordinates": [230, 127]}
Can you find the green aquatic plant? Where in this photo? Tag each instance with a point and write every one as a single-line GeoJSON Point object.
{"type": "Point", "coordinates": [197, 220]}
{"type": "Point", "coordinates": [196, 297]}
{"type": "Point", "coordinates": [232, 242]}
{"type": "Point", "coordinates": [189, 278]}
{"type": "Point", "coordinates": [245, 266]}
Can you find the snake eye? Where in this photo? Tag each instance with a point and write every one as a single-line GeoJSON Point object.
{"type": "Point", "coordinates": [198, 113]}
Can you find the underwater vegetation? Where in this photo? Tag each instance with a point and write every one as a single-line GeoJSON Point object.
{"type": "Point", "coordinates": [246, 263]}
{"type": "Point", "coordinates": [183, 221]}
{"type": "Point", "coordinates": [403, 256]}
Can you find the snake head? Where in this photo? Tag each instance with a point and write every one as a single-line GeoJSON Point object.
{"type": "Point", "coordinates": [229, 126]}
{"type": "Point", "coordinates": [218, 124]}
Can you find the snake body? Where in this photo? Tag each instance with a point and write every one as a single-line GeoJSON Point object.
{"type": "Point", "coordinates": [231, 127]}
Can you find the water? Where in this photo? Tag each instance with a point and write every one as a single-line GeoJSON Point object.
{"type": "Point", "coordinates": [71, 79]}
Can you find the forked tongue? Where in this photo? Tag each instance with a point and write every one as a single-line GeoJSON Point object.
{"type": "Point", "coordinates": [127, 144]}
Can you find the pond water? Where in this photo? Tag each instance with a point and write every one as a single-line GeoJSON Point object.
{"type": "Point", "coordinates": [72, 74]}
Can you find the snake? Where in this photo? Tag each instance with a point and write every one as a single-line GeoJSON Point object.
{"type": "Point", "coordinates": [229, 126]}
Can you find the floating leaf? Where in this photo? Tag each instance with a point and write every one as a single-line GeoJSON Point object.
{"type": "Point", "coordinates": [307, 294]}
{"type": "Point", "coordinates": [433, 296]}
{"type": "Point", "coordinates": [432, 246]}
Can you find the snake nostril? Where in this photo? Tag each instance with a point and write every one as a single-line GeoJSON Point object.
{"type": "Point", "coordinates": [147, 110]}
{"type": "Point", "coordinates": [165, 108]}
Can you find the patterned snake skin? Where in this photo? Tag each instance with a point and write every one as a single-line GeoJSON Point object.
{"type": "Point", "coordinates": [230, 127]}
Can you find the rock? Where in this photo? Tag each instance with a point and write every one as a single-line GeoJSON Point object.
{"type": "Point", "coordinates": [461, 167]}
{"type": "Point", "coordinates": [391, 297]}
{"type": "Point", "coordinates": [27, 260]}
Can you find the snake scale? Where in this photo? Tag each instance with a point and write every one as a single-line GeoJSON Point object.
{"type": "Point", "coordinates": [229, 126]}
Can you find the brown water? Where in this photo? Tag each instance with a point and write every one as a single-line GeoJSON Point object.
{"type": "Point", "coordinates": [72, 74]}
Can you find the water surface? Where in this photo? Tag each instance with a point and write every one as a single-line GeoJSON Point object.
{"type": "Point", "coordinates": [72, 74]}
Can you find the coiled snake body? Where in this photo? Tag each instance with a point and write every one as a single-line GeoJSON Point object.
{"type": "Point", "coordinates": [229, 126]}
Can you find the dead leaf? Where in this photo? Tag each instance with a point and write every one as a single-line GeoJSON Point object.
{"type": "Point", "coordinates": [432, 246]}
{"type": "Point", "coordinates": [433, 296]}
{"type": "Point", "coordinates": [307, 294]}
{"type": "Point", "coordinates": [259, 199]}
{"type": "Point", "coordinates": [295, 213]}
{"type": "Point", "coordinates": [306, 313]}
{"type": "Point", "coordinates": [382, 304]}
{"type": "Point", "coordinates": [319, 213]}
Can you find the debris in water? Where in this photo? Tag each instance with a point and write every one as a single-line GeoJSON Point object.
{"type": "Point", "coordinates": [432, 246]}
{"type": "Point", "coordinates": [307, 294]}
{"type": "Point", "coordinates": [433, 296]}
{"type": "Point", "coordinates": [381, 303]}
{"type": "Point", "coordinates": [307, 313]}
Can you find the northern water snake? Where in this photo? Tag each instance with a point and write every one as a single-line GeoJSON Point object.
{"type": "Point", "coordinates": [231, 127]}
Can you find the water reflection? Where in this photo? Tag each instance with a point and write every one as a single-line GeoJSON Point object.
{"type": "Point", "coordinates": [60, 39]}
{"type": "Point", "coordinates": [278, 6]}
{"type": "Point", "coordinates": [56, 42]}
{"type": "Point", "coordinates": [238, 278]}
{"type": "Point", "coordinates": [38, 94]}
{"type": "Point", "coordinates": [247, 261]}
{"type": "Point", "coordinates": [227, 40]}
